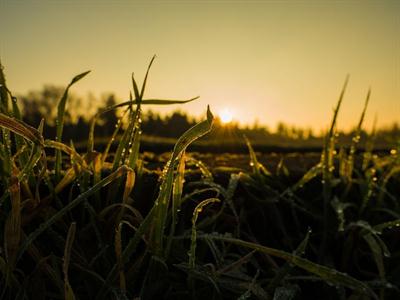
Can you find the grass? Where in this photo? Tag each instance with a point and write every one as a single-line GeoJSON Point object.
{"type": "Point", "coordinates": [91, 225]}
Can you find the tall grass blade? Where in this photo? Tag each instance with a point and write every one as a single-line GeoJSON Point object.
{"type": "Point", "coordinates": [112, 138]}
{"type": "Point", "coordinates": [369, 145]}
{"type": "Point", "coordinates": [199, 208]}
{"type": "Point", "coordinates": [176, 200]}
{"type": "Point", "coordinates": [162, 201]}
{"type": "Point", "coordinates": [145, 78]}
{"type": "Point", "coordinates": [356, 139]}
{"type": "Point", "coordinates": [327, 170]}
{"type": "Point", "coordinates": [60, 119]}
{"type": "Point", "coordinates": [256, 166]}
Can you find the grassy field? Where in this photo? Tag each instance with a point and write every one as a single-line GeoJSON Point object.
{"type": "Point", "coordinates": [132, 225]}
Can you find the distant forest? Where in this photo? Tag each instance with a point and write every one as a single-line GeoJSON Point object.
{"type": "Point", "coordinates": [38, 104]}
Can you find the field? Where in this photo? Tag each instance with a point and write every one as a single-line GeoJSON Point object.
{"type": "Point", "coordinates": [128, 224]}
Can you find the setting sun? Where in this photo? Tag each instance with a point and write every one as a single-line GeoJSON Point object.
{"type": "Point", "coordinates": [226, 116]}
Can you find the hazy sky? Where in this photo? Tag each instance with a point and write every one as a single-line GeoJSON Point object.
{"type": "Point", "coordinates": [265, 60]}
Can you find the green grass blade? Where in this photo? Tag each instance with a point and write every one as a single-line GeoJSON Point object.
{"type": "Point", "coordinates": [145, 78]}
{"type": "Point", "coordinates": [327, 169]}
{"type": "Point", "coordinates": [163, 198]}
{"type": "Point", "coordinates": [135, 90]}
{"type": "Point", "coordinates": [369, 145]}
{"type": "Point", "coordinates": [147, 102]}
{"type": "Point", "coordinates": [114, 134]}
{"type": "Point", "coordinates": [176, 200]}
{"type": "Point", "coordinates": [356, 139]}
{"type": "Point", "coordinates": [60, 119]}
{"type": "Point", "coordinates": [199, 208]}
{"type": "Point", "coordinates": [192, 134]}
{"type": "Point", "coordinates": [256, 166]}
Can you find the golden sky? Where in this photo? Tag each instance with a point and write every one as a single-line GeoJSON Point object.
{"type": "Point", "coordinates": [263, 60]}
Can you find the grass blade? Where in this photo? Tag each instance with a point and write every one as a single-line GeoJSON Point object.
{"type": "Point", "coordinates": [199, 208]}
{"type": "Point", "coordinates": [19, 127]}
{"type": "Point", "coordinates": [60, 119]}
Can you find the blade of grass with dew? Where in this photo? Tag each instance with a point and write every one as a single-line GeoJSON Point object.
{"type": "Point", "coordinates": [176, 200]}
{"type": "Point", "coordinates": [134, 131]}
{"type": "Point", "coordinates": [57, 216]}
{"type": "Point", "coordinates": [199, 208]}
{"type": "Point", "coordinates": [21, 128]}
{"type": "Point", "coordinates": [309, 175]}
{"type": "Point", "coordinates": [162, 201]}
{"type": "Point", "coordinates": [327, 171]}
{"type": "Point", "coordinates": [120, 153]}
{"type": "Point", "coordinates": [355, 140]}
{"type": "Point", "coordinates": [117, 128]}
{"type": "Point", "coordinates": [69, 176]}
{"type": "Point", "coordinates": [183, 142]}
{"type": "Point", "coordinates": [60, 120]}
{"type": "Point", "coordinates": [135, 141]}
{"type": "Point", "coordinates": [368, 186]}
{"type": "Point", "coordinates": [68, 292]}
{"type": "Point", "coordinates": [369, 145]}
{"type": "Point", "coordinates": [36, 154]}
{"type": "Point", "coordinates": [205, 172]}
{"type": "Point", "coordinates": [387, 225]}
{"type": "Point", "coordinates": [129, 184]}
{"type": "Point", "coordinates": [393, 171]}
{"type": "Point", "coordinates": [19, 141]}
{"type": "Point", "coordinates": [339, 208]}
{"type": "Point", "coordinates": [122, 146]}
{"type": "Point", "coordinates": [256, 166]}
{"type": "Point", "coordinates": [327, 274]}
{"type": "Point", "coordinates": [68, 150]}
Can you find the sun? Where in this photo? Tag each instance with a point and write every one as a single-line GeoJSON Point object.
{"type": "Point", "coordinates": [226, 116]}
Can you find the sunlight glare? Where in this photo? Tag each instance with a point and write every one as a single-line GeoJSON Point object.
{"type": "Point", "coordinates": [226, 116]}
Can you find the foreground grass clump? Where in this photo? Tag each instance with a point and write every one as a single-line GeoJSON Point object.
{"type": "Point", "coordinates": [102, 226]}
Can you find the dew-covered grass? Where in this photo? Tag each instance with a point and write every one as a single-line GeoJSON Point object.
{"type": "Point", "coordinates": [101, 225]}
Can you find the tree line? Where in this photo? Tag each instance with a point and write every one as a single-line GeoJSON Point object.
{"type": "Point", "coordinates": [43, 104]}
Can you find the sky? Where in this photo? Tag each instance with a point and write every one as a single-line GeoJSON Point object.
{"type": "Point", "coordinates": [265, 61]}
